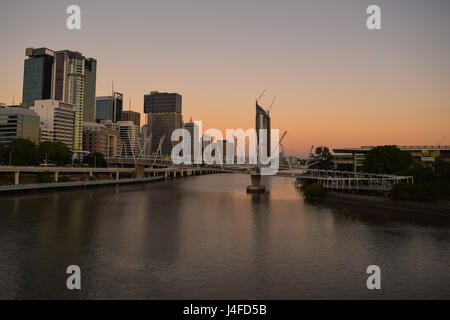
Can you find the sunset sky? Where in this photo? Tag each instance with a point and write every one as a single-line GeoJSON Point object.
{"type": "Point", "coordinates": [338, 83]}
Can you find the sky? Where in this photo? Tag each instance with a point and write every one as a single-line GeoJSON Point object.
{"type": "Point", "coordinates": [337, 83]}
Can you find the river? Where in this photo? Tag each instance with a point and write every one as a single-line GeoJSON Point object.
{"type": "Point", "coordinates": [205, 238]}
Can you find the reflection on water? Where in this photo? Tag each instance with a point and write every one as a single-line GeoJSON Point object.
{"type": "Point", "coordinates": [205, 238]}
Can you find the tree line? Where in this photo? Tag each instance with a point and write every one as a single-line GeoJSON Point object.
{"type": "Point", "coordinates": [23, 152]}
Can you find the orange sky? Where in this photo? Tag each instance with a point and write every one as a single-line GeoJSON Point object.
{"type": "Point", "coordinates": [338, 84]}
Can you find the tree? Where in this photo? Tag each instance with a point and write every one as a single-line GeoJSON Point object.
{"type": "Point", "coordinates": [324, 158]}
{"type": "Point", "coordinates": [95, 160]}
{"type": "Point", "coordinates": [4, 154]}
{"type": "Point", "coordinates": [56, 153]}
{"type": "Point", "coordinates": [23, 152]}
{"type": "Point", "coordinates": [387, 160]}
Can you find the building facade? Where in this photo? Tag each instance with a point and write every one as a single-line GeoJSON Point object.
{"type": "Point", "coordinates": [424, 155]}
{"type": "Point", "coordinates": [129, 135]}
{"type": "Point", "coordinates": [133, 116]}
{"type": "Point", "coordinates": [98, 138]}
{"type": "Point", "coordinates": [109, 108]}
{"type": "Point", "coordinates": [164, 116]}
{"type": "Point", "coordinates": [57, 121]}
{"type": "Point", "coordinates": [263, 122]}
{"type": "Point", "coordinates": [74, 83]}
{"type": "Point", "coordinates": [37, 75]}
{"type": "Point", "coordinates": [18, 123]}
{"type": "Point", "coordinates": [65, 76]}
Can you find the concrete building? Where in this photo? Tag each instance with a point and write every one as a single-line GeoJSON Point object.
{"type": "Point", "coordinates": [421, 154]}
{"type": "Point", "coordinates": [129, 134]}
{"type": "Point", "coordinates": [2, 105]}
{"type": "Point", "coordinates": [18, 123]}
{"type": "Point", "coordinates": [74, 83]}
{"type": "Point", "coordinates": [57, 121]}
{"type": "Point", "coordinates": [164, 116]}
{"type": "Point", "coordinates": [109, 108]}
{"type": "Point", "coordinates": [98, 138]}
{"type": "Point", "coordinates": [133, 116]}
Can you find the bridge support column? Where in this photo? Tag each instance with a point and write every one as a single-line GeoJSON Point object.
{"type": "Point", "coordinates": [256, 186]}
{"type": "Point", "coordinates": [117, 176]}
{"type": "Point", "coordinates": [139, 171]}
{"type": "Point", "coordinates": [56, 176]}
{"type": "Point", "coordinates": [16, 177]}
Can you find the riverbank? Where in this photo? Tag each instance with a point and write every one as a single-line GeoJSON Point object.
{"type": "Point", "coordinates": [424, 208]}
{"type": "Point", "coordinates": [4, 189]}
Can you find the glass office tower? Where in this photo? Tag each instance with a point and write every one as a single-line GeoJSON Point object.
{"type": "Point", "coordinates": [109, 108]}
{"type": "Point", "coordinates": [37, 76]}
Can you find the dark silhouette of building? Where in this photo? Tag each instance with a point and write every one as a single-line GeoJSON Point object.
{"type": "Point", "coordinates": [263, 122]}
{"type": "Point", "coordinates": [37, 75]}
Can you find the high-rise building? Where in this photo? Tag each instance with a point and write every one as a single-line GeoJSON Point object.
{"type": "Point", "coordinates": [133, 116]}
{"type": "Point", "coordinates": [74, 83]}
{"type": "Point", "coordinates": [17, 123]}
{"type": "Point", "coordinates": [109, 107]}
{"type": "Point", "coordinates": [164, 116]}
{"type": "Point", "coordinates": [195, 139]}
{"type": "Point", "coordinates": [90, 81]}
{"type": "Point", "coordinates": [129, 134]}
{"type": "Point", "coordinates": [57, 121]}
{"type": "Point", "coordinates": [263, 122]}
{"type": "Point", "coordinates": [37, 75]}
{"type": "Point", "coordinates": [65, 76]}
{"type": "Point", "coordinates": [97, 137]}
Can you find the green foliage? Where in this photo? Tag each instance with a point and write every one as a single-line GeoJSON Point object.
{"type": "Point", "coordinates": [323, 158]}
{"type": "Point", "coordinates": [421, 192]}
{"type": "Point", "coordinates": [45, 177]}
{"type": "Point", "coordinates": [313, 190]}
{"type": "Point", "coordinates": [56, 153]}
{"type": "Point", "coordinates": [387, 160]}
{"type": "Point", "coordinates": [95, 160]}
{"type": "Point", "coordinates": [344, 167]}
{"type": "Point", "coordinates": [23, 152]}
{"type": "Point", "coordinates": [4, 155]}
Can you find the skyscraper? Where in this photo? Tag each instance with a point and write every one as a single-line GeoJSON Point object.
{"type": "Point", "coordinates": [109, 107]}
{"type": "Point", "coordinates": [263, 122]}
{"type": "Point", "coordinates": [74, 83]}
{"type": "Point", "coordinates": [90, 81]}
{"type": "Point", "coordinates": [37, 75]}
{"type": "Point", "coordinates": [65, 76]}
{"type": "Point", "coordinates": [132, 116]}
{"type": "Point", "coordinates": [164, 116]}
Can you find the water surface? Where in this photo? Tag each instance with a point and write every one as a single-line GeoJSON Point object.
{"type": "Point", "coordinates": [205, 238]}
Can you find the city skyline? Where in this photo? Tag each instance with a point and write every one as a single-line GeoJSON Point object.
{"type": "Point", "coordinates": [346, 86]}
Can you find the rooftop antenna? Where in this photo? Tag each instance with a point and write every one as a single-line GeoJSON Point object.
{"type": "Point", "coordinates": [129, 105]}
{"type": "Point", "coordinates": [264, 91]}
{"type": "Point", "coordinates": [273, 101]}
